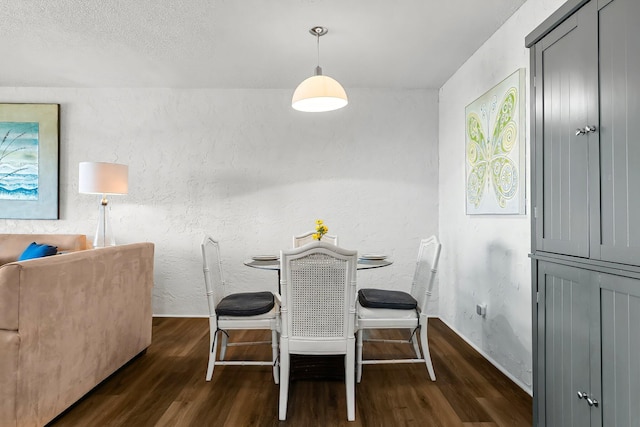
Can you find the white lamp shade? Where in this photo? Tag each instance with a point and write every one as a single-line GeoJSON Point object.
{"type": "Point", "coordinates": [103, 178]}
{"type": "Point", "coordinates": [319, 93]}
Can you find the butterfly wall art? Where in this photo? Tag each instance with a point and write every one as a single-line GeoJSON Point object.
{"type": "Point", "coordinates": [494, 142]}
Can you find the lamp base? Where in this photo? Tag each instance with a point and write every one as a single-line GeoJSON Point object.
{"type": "Point", "coordinates": [104, 234]}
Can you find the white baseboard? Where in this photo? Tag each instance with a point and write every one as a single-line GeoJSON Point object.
{"type": "Point", "coordinates": [194, 316]}
{"type": "Point", "coordinates": [520, 384]}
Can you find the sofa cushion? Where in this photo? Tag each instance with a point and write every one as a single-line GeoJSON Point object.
{"type": "Point", "coordinates": [35, 250]}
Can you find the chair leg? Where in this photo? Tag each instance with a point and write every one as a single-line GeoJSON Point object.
{"type": "Point", "coordinates": [223, 345]}
{"type": "Point", "coordinates": [213, 345]}
{"type": "Point", "coordinates": [416, 347]}
{"type": "Point", "coordinates": [349, 373]}
{"type": "Point", "coordinates": [274, 353]}
{"type": "Point", "coordinates": [424, 340]}
{"type": "Point", "coordinates": [359, 354]}
{"type": "Point", "coordinates": [284, 384]}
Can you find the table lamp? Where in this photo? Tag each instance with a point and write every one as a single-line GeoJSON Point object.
{"type": "Point", "coordinates": [103, 178]}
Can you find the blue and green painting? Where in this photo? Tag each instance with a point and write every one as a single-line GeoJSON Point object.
{"type": "Point", "coordinates": [19, 160]}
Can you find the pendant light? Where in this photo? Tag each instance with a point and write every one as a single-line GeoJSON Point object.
{"type": "Point", "coordinates": [319, 92]}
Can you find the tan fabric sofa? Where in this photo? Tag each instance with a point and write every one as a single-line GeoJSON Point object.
{"type": "Point", "coordinates": [67, 322]}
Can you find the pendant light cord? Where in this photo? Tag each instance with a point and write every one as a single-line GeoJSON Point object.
{"type": "Point", "coordinates": [318, 47]}
{"type": "Point", "coordinates": [318, 68]}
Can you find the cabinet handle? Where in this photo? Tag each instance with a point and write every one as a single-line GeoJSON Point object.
{"type": "Point", "coordinates": [582, 395]}
{"type": "Point", "coordinates": [586, 130]}
{"type": "Point", "coordinates": [592, 402]}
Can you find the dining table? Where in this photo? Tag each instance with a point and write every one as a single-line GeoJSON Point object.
{"type": "Point", "coordinates": [312, 367]}
{"type": "Point", "coordinates": [272, 262]}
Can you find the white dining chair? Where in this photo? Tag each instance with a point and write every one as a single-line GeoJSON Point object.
{"type": "Point", "coordinates": [305, 238]}
{"type": "Point", "coordinates": [392, 309]}
{"type": "Point", "coordinates": [236, 311]}
{"type": "Point", "coordinates": [318, 283]}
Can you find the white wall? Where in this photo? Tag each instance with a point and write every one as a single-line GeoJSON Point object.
{"type": "Point", "coordinates": [246, 168]}
{"type": "Point", "coordinates": [484, 258]}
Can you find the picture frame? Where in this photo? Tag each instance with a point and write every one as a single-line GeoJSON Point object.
{"type": "Point", "coordinates": [495, 149]}
{"type": "Point", "coordinates": [29, 161]}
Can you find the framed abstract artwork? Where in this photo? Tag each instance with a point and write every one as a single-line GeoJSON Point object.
{"type": "Point", "coordinates": [495, 151]}
{"type": "Point", "coordinates": [29, 144]}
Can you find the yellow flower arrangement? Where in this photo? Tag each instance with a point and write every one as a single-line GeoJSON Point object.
{"type": "Point", "coordinates": [321, 230]}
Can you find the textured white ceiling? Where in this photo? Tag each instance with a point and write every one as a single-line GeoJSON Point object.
{"type": "Point", "coordinates": [240, 43]}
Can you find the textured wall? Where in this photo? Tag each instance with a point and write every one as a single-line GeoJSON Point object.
{"type": "Point", "coordinates": [486, 258]}
{"type": "Point", "coordinates": [246, 168]}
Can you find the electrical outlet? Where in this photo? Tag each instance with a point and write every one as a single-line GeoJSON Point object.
{"type": "Point", "coordinates": [481, 310]}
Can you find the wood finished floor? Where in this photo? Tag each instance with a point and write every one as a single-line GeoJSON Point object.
{"type": "Point", "coordinates": [166, 387]}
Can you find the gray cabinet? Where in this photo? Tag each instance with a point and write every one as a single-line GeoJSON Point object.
{"type": "Point", "coordinates": [586, 87]}
{"type": "Point", "coordinates": [620, 317]}
{"type": "Point", "coordinates": [589, 347]}
{"type": "Point", "coordinates": [585, 105]}
{"type": "Point", "coordinates": [565, 89]}
{"type": "Point", "coordinates": [619, 137]}
{"type": "Point", "coordinates": [570, 313]}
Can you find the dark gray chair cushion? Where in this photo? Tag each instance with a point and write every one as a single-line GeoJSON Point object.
{"type": "Point", "coordinates": [245, 304]}
{"type": "Point", "coordinates": [382, 298]}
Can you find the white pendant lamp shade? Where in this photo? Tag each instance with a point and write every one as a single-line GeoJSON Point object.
{"type": "Point", "coordinates": [319, 93]}
{"type": "Point", "coordinates": [103, 178]}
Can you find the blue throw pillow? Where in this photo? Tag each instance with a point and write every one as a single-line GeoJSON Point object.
{"type": "Point", "coordinates": [35, 250]}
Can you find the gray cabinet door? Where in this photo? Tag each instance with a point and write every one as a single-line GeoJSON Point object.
{"type": "Point", "coordinates": [567, 317]}
{"type": "Point", "coordinates": [619, 47]}
{"type": "Point", "coordinates": [620, 307]}
{"type": "Point", "coordinates": [566, 100]}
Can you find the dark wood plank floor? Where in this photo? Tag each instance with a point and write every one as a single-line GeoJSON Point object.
{"type": "Point", "coordinates": [166, 387]}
